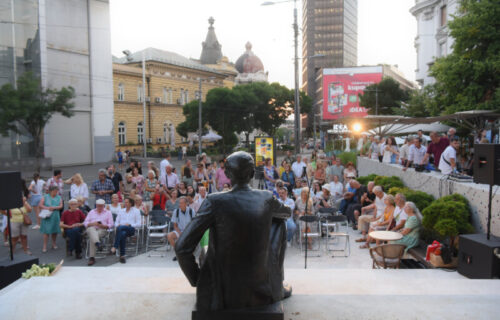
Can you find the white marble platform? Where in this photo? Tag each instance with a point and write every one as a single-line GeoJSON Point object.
{"type": "Point", "coordinates": [163, 293]}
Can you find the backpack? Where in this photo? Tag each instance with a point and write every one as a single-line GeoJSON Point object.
{"type": "Point", "coordinates": [189, 210]}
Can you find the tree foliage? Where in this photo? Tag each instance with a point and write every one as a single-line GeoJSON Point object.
{"type": "Point", "coordinates": [30, 107]}
{"type": "Point", "coordinates": [243, 108]}
{"type": "Point", "coordinates": [469, 77]}
{"type": "Point", "coordinates": [390, 96]}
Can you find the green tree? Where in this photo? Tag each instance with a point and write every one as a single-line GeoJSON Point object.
{"type": "Point", "coordinates": [31, 107]}
{"type": "Point", "coordinates": [421, 103]}
{"type": "Point", "coordinates": [390, 97]}
{"type": "Point", "coordinates": [469, 77]}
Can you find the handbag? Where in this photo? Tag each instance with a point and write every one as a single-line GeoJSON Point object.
{"type": "Point", "coordinates": [44, 214]}
{"type": "Point", "coordinates": [27, 220]}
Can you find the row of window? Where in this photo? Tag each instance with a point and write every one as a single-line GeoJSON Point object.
{"type": "Point", "coordinates": [122, 132]}
{"type": "Point", "coordinates": [168, 96]}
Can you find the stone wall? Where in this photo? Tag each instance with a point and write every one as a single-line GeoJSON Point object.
{"type": "Point", "coordinates": [438, 185]}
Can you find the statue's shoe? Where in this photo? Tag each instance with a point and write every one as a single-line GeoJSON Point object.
{"type": "Point", "coordinates": [287, 290]}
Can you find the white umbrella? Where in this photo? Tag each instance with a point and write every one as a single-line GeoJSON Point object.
{"type": "Point", "coordinates": [211, 136]}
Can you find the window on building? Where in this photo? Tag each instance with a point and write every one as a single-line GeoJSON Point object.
{"type": "Point", "coordinates": [121, 92]}
{"type": "Point", "coordinates": [186, 96]}
{"type": "Point", "coordinates": [140, 133]}
{"type": "Point", "coordinates": [443, 16]}
{"type": "Point", "coordinates": [139, 93]}
{"type": "Point", "coordinates": [442, 49]}
{"type": "Point", "coordinates": [165, 132]}
{"type": "Point", "coordinates": [182, 97]}
{"type": "Point", "coordinates": [122, 133]}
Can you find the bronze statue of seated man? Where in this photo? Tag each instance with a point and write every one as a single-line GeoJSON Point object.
{"type": "Point", "coordinates": [243, 267]}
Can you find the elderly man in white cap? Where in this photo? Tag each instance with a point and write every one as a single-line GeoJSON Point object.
{"type": "Point", "coordinates": [98, 221]}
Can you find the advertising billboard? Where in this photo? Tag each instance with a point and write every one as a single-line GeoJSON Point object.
{"type": "Point", "coordinates": [341, 87]}
{"type": "Point", "coordinates": [264, 148]}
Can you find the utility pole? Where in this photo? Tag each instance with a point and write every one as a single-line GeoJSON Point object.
{"type": "Point", "coordinates": [296, 66]}
{"type": "Point", "coordinates": [144, 103]}
{"type": "Point", "coordinates": [199, 118]}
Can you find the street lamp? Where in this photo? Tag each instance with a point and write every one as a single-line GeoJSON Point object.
{"type": "Point", "coordinates": [143, 95]}
{"type": "Point", "coordinates": [296, 69]}
{"type": "Point", "coordinates": [199, 112]}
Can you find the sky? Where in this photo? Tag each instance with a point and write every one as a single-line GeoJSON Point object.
{"type": "Point", "coordinates": [386, 31]}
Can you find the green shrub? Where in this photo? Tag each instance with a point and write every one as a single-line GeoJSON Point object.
{"type": "Point", "coordinates": [365, 179]}
{"type": "Point", "coordinates": [348, 157]}
{"type": "Point", "coordinates": [388, 182]}
{"type": "Point", "coordinates": [454, 198]}
{"type": "Point", "coordinates": [447, 210]}
{"type": "Point", "coordinates": [446, 227]}
{"type": "Point", "coordinates": [396, 190]}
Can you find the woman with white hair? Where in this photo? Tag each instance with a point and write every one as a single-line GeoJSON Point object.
{"type": "Point", "coordinates": [149, 189]}
{"type": "Point", "coordinates": [79, 188]}
{"type": "Point", "coordinates": [411, 230]}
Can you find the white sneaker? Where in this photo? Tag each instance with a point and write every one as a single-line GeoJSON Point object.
{"type": "Point", "coordinates": [35, 227]}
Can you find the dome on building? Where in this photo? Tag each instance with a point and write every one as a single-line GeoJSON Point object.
{"type": "Point", "coordinates": [249, 62]}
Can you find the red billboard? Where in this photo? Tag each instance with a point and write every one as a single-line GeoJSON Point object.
{"type": "Point", "coordinates": [341, 87]}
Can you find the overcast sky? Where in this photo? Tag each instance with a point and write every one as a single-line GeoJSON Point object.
{"type": "Point", "coordinates": [386, 31]}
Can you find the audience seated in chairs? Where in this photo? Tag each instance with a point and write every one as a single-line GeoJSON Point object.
{"type": "Point", "coordinates": [326, 203]}
{"type": "Point", "coordinates": [290, 223]}
{"type": "Point", "coordinates": [98, 222]}
{"type": "Point", "coordinates": [384, 222]}
{"type": "Point", "coordinates": [367, 200]}
{"type": "Point", "coordinates": [400, 215]}
{"type": "Point", "coordinates": [128, 219]}
{"type": "Point", "coordinates": [371, 212]}
{"type": "Point", "coordinates": [300, 209]}
{"type": "Point", "coordinates": [411, 229]}
{"type": "Point", "coordinates": [72, 224]}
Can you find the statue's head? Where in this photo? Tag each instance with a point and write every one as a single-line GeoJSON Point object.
{"type": "Point", "coordinates": [239, 167]}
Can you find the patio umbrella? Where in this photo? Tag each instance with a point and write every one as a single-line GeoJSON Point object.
{"type": "Point", "coordinates": [211, 136]}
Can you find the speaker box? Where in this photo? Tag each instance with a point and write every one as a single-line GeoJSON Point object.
{"type": "Point", "coordinates": [11, 191]}
{"type": "Point", "coordinates": [487, 163]}
{"type": "Point", "coordinates": [12, 270]}
{"type": "Point", "coordinates": [476, 259]}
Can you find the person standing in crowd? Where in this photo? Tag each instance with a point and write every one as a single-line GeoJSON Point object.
{"type": "Point", "coordinates": [436, 147]}
{"type": "Point", "coordinates": [128, 185]}
{"type": "Point", "coordinates": [290, 223]}
{"type": "Point", "coordinates": [374, 149]}
{"type": "Point", "coordinates": [481, 137]}
{"type": "Point", "coordinates": [448, 161]}
{"type": "Point", "coordinates": [200, 175]}
{"type": "Point", "coordinates": [50, 225]}
{"type": "Point", "coordinates": [36, 188]}
{"type": "Point", "coordinates": [281, 168]}
{"type": "Point", "coordinates": [381, 147]}
{"type": "Point", "coordinates": [220, 176]}
{"type": "Point", "coordinates": [270, 174]}
{"type": "Point", "coordinates": [404, 152]}
{"type": "Point", "coordinates": [18, 230]}
{"type": "Point", "coordinates": [103, 187]}
{"type": "Point", "coordinates": [187, 172]}
{"type": "Point", "coordinates": [119, 158]}
{"type": "Point", "coordinates": [57, 181]}
{"type": "Point", "coordinates": [139, 181]}
{"type": "Point", "coordinates": [79, 188]}
{"type": "Point", "coordinates": [289, 157]}
{"type": "Point", "coordinates": [181, 217]}
{"type": "Point", "coordinates": [211, 177]}
{"type": "Point", "coordinates": [127, 221]}
{"type": "Point", "coordinates": [98, 221]}
{"type": "Point", "coordinates": [184, 152]}
{"type": "Point", "coordinates": [298, 167]}
{"type": "Point", "coordinates": [452, 133]}
{"type": "Point", "coordinates": [170, 180]}
{"type": "Point", "coordinates": [420, 134]}
{"type": "Point", "coordinates": [72, 223]}
{"type": "Point", "coordinates": [149, 189]}
{"type": "Point", "coordinates": [116, 178]}
{"type": "Point", "coordinates": [288, 178]}
{"type": "Point", "coordinates": [389, 151]}
{"type": "Point", "coordinates": [416, 155]}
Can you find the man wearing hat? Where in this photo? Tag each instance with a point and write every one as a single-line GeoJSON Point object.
{"type": "Point", "coordinates": [72, 223]}
{"type": "Point", "coordinates": [98, 221]}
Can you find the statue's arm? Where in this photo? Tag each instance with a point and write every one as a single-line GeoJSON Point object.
{"type": "Point", "coordinates": [279, 210]}
{"type": "Point", "coordinates": [190, 238]}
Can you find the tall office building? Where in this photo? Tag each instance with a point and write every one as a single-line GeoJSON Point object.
{"type": "Point", "coordinates": [329, 39]}
{"type": "Point", "coordinates": [64, 43]}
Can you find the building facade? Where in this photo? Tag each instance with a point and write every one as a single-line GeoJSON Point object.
{"type": "Point", "coordinates": [65, 43]}
{"type": "Point", "coordinates": [432, 40]}
{"type": "Point", "coordinates": [171, 81]}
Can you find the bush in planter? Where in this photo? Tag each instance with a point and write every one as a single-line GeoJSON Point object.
{"type": "Point", "coordinates": [364, 180]}
{"type": "Point", "coordinates": [421, 199]}
{"type": "Point", "coordinates": [388, 182]}
{"type": "Point", "coordinates": [454, 198]}
{"type": "Point", "coordinates": [347, 157]}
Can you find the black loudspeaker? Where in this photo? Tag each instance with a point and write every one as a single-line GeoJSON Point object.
{"type": "Point", "coordinates": [12, 270]}
{"type": "Point", "coordinates": [11, 190]}
{"type": "Point", "coordinates": [487, 163]}
{"type": "Point", "coordinates": [477, 256]}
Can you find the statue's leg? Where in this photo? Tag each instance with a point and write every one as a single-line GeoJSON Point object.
{"type": "Point", "coordinates": [277, 248]}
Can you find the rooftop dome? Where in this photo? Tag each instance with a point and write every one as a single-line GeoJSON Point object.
{"type": "Point", "coordinates": [249, 62]}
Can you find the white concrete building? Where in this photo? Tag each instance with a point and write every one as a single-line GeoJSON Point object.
{"type": "Point", "coordinates": [432, 40]}
{"type": "Point", "coordinates": [65, 43]}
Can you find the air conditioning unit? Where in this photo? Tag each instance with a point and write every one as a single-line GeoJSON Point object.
{"type": "Point", "coordinates": [158, 100]}
{"type": "Point", "coordinates": [148, 99]}
{"type": "Point", "coordinates": [159, 140]}
{"type": "Point", "coordinates": [149, 140]}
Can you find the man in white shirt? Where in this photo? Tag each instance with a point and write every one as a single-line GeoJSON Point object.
{"type": "Point", "coordinates": [127, 220]}
{"type": "Point", "coordinates": [416, 155]}
{"type": "Point", "coordinates": [290, 224]}
{"type": "Point", "coordinates": [376, 211]}
{"type": "Point", "coordinates": [404, 151]}
{"type": "Point", "coordinates": [199, 198]}
{"type": "Point", "coordinates": [181, 217]}
{"type": "Point", "coordinates": [399, 215]}
{"type": "Point", "coordinates": [163, 165]}
{"type": "Point", "coordinates": [448, 161]}
{"type": "Point", "coordinates": [170, 180]}
{"type": "Point", "coordinates": [298, 167]}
